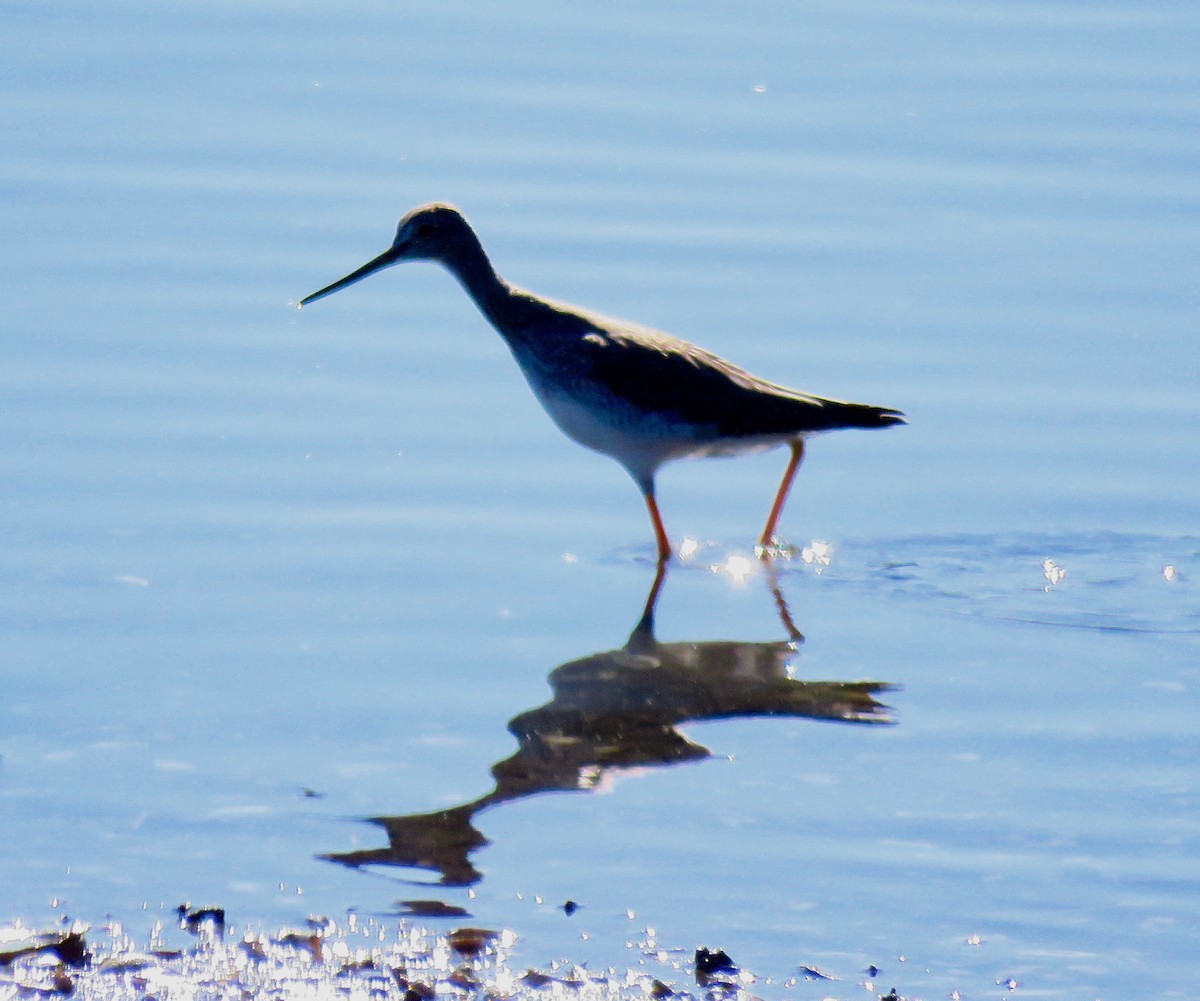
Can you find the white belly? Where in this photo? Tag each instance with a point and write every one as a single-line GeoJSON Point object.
{"type": "Point", "coordinates": [640, 442]}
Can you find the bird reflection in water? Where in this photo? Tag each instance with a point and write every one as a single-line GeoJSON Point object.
{"type": "Point", "coordinates": [621, 709]}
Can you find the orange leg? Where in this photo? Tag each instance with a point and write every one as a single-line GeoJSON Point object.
{"type": "Point", "coordinates": [660, 533]}
{"type": "Point", "coordinates": [781, 496]}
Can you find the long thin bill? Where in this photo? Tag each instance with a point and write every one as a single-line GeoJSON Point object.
{"type": "Point", "coordinates": [386, 259]}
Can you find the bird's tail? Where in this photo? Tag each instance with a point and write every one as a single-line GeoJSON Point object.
{"type": "Point", "coordinates": [860, 415]}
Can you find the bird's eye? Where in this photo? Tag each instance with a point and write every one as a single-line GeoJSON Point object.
{"type": "Point", "coordinates": [425, 230]}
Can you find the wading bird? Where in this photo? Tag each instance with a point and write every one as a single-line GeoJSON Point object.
{"type": "Point", "coordinates": [641, 396]}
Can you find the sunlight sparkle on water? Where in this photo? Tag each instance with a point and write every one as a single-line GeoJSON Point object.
{"type": "Point", "coordinates": [1053, 573]}
{"type": "Point", "coordinates": [817, 553]}
{"type": "Point", "coordinates": [738, 568]}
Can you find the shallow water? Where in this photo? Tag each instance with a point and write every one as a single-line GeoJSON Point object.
{"type": "Point", "coordinates": [270, 574]}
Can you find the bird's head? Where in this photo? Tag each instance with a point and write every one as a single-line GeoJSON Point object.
{"type": "Point", "coordinates": [428, 233]}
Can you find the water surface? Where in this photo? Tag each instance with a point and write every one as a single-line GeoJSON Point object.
{"type": "Point", "coordinates": [271, 574]}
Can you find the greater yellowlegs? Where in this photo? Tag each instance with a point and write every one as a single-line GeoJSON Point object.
{"type": "Point", "coordinates": [636, 394]}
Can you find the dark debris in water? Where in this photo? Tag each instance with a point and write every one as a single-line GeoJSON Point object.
{"type": "Point", "coordinates": [368, 957]}
{"type": "Point", "coordinates": [539, 981]}
{"type": "Point", "coordinates": [69, 948]}
{"type": "Point", "coordinates": [198, 919]}
{"type": "Point", "coordinates": [415, 990]}
{"type": "Point", "coordinates": [66, 951]}
{"type": "Point", "coordinates": [431, 909]}
{"type": "Point", "coordinates": [309, 941]}
{"type": "Point", "coordinates": [711, 964]}
{"type": "Point", "coordinates": [659, 990]}
{"type": "Point", "coordinates": [471, 941]}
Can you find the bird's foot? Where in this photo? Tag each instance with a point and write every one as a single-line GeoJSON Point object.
{"type": "Point", "coordinates": [774, 548]}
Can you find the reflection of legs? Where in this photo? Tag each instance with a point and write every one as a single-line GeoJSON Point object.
{"type": "Point", "coordinates": [641, 640]}
{"type": "Point", "coordinates": [781, 496]}
{"type": "Point", "coordinates": [660, 574]}
{"type": "Point", "coordinates": [785, 615]}
{"type": "Point", "coordinates": [660, 533]}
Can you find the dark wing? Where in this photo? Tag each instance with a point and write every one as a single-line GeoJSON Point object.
{"type": "Point", "coordinates": [662, 374]}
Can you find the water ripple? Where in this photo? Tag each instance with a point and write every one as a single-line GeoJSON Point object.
{"type": "Point", "coordinates": [1103, 581]}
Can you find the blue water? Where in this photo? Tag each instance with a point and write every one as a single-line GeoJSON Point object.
{"type": "Point", "coordinates": [270, 574]}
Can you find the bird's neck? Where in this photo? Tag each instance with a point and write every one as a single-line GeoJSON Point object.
{"type": "Point", "coordinates": [523, 319]}
{"type": "Point", "coordinates": [469, 263]}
